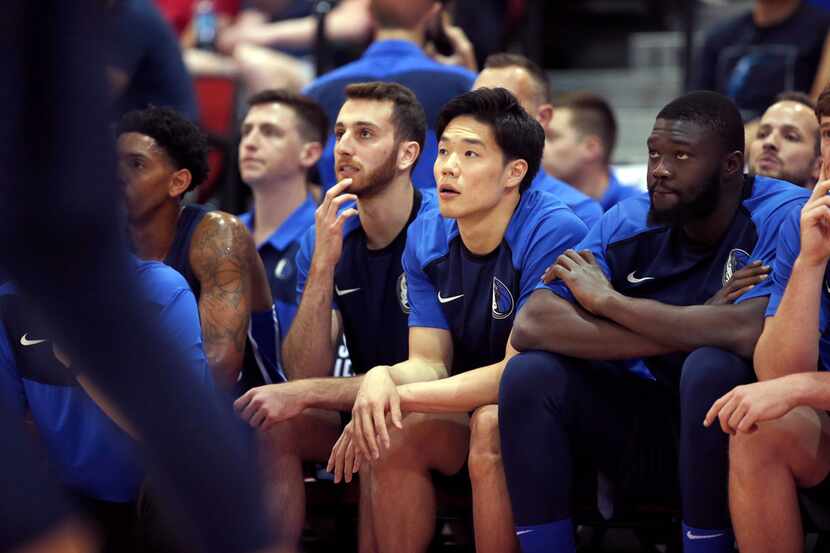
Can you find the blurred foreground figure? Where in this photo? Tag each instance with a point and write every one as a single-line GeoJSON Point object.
{"type": "Point", "coordinates": [61, 241]}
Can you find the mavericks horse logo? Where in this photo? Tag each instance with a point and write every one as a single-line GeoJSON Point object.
{"type": "Point", "coordinates": [737, 260]}
{"type": "Point", "coordinates": [403, 298]}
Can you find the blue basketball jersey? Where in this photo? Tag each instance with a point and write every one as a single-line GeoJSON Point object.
{"type": "Point", "coordinates": [369, 291]}
{"type": "Point", "coordinates": [476, 297]}
{"type": "Point", "coordinates": [659, 262]}
{"type": "Point", "coordinates": [789, 246]}
{"type": "Point", "coordinates": [585, 207]}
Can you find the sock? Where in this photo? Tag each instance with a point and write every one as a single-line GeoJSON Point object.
{"type": "Point", "coordinates": [696, 540]}
{"type": "Point", "coordinates": [555, 536]}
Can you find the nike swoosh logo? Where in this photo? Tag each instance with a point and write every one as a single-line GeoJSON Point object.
{"type": "Point", "coordinates": [701, 536]}
{"type": "Point", "coordinates": [520, 532]}
{"type": "Point", "coordinates": [449, 299]}
{"type": "Point", "coordinates": [24, 341]}
{"type": "Point", "coordinates": [345, 292]}
{"type": "Point", "coordinates": [634, 280]}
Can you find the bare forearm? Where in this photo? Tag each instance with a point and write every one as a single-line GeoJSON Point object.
{"type": "Point", "coordinates": [307, 351]}
{"type": "Point", "coordinates": [456, 394]}
{"type": "Point", "coordinates": [789, 343]}
{"type": "Point", "coordinates": [685, 328]}
{"type": "Point", "coordinates": [552, 324]}
{"type": "Point", "coordinates": [416, 370]}
{"type": "Point", "coordinates": [334, 394]}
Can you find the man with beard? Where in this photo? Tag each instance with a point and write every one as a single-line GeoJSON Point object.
{"type": "Point", "coordinates": [161, 156]}
{"type": "Point", "coordinates": [351, 282]}
{"type": "Point", "coordinates": [656, 290]}
{"type": "Point", "coordinates": [786, 144]}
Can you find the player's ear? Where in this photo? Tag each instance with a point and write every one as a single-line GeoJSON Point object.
{"type": "Point", "coordinates": [310, 154]}
{"type": "Point", "coordinates": [545, 114]}
{"type": "Point", "coordinates": [179, 183]}
{"type": "Point", "coordinates": [733, 163]}
{"type": "Point", "coordinates": [516, 171]}
{"type": "Point", "coordinates": [408, 154]}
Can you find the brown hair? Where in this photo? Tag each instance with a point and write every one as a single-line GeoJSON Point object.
{"type": "Point", "coordinates": [502, 60]}
{"type": "Point", "coordinates": [314, 125]}
{"type": "Point", "coordinates": [408, 115]}
{"type": "Point", "coordinates": [591, 115]}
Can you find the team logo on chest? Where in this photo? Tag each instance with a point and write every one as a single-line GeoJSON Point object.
{"type": "Point", "coordinates": [403, 298]}
{"type": "Point", "coordinates": [503, 303]}
{"type": "Point", "coordinates": [737, 260]}
{"type": "Point", "coordinates": [284, 269]}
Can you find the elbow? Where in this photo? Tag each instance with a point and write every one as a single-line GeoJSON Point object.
{"type": "Point", "coordinates": [525, 334]}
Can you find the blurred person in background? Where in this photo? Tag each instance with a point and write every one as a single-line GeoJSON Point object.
{"type": "Point", "coordinates": [786, 144]}
{"type": "Point", "coordinates": [528, 83]}
{"type": "Point", "coordinates": [397, 55]}
{"type": "Point", "coordinates": [579, 146]}
{"type": "Point", "coordinates": [283, 135]}
{"type": "Point", "coordinates": [778, 45]}
{"type": "Point", "coordinates": [145, 64]}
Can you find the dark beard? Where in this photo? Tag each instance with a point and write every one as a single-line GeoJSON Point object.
{"type": "Point", "coordinates": [378, 180]}
{"type": "Point", "coordinates": [687, 211]}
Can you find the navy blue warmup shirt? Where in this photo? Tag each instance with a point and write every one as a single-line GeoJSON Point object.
{"type": "Point", "coordinates": [278, 255]}
{"type": "Point", "coordinates": [370, 291]}
{"type": "Point", "coordinates": [400, 61]}
{"type": "Point", "coordinates": [585, 207]}
{"type": "Point", "coordinates": [660, 263]}
{"type": "Point", "coordinates": [789, 246]}
{"type": "Point", "coordinates": [94, 457]}
{"type": "Point", "coordinates": [476, 297]}
{"type": "Point", "coordinates": [261, 360]}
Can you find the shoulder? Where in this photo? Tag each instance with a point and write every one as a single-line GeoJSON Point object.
{"type": "Point", "coordinates": [220, 235]}
{"type": "Point", "coordinates": [626, 220]}
{"type": "Point", "coordinates": [161, 283]}
{"type": "Point", "coordinates": [772, 199]}
{"type": "Point", "coordinates": [723, 32]}
{"type": "Point", "coordinates": [541, 216]}
{"type": "Point", "coordinates": [348, 72]}
{"type": "Point", "coordinates": [428, 236]}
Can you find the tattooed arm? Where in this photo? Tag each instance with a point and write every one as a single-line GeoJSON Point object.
{"type": "Point", "coordinates": [221, 255]}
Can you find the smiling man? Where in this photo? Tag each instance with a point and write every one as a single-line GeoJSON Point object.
{"type": "Point", "coordinates": [469, 269]}
{"type": "Point", "coordinates": [649, 291]}
{"type": "Point", "coordinates": [786, 145]}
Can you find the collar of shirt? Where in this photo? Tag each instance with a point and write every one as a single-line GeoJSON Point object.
{"type": "Point", "coordinates": [291, 229]}
{"type": "Point", "coordinates": [383, 48]}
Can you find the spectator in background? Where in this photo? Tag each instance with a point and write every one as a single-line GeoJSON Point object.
{"type": "Point", "coordinates": [271, 42]}
{"type": "Point", "coordinates": [580, 143]}
{"type": "Point", "coordinates": [528, 83]}
{"type": "Point", "coordinates": [283, 135]}
{"type": "Point", "coordinates": [777, 46]}
{"type": "Point", "coordinates": [145, 65]}
{"type": "Point", "coordinates": [786, 144]}
{"type": "Point", "coordinates": [396, 55]}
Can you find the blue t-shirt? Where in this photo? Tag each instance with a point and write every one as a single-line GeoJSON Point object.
{"type": "Point", "coordinates": [146, 51]}
{"type": "Point", "coordinates": [370, 291]}
{"type": "Point", "coordinates": [643, 260]}
{"type": "Point", "coordinates": [400, 61]}
{"type": "Point", "coordinates": [476, 297]}
{"type": "Point", "coordinates": [94, 457]}
{"type": "Point", "coordinates": [789, 246]}
{"type": "Point", "coordinates": [278, 255]}
{"type": "Point", "coordinates": [617, 192]}
{"type": "Point", "coordinates": [585, 207]}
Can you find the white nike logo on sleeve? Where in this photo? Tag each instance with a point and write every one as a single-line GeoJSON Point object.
{"type": "Point", "coordinates": [449, 299]}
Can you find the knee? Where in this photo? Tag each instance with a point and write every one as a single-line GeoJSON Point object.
{"type": "Point", "coordinates": [772, 444]}
{"type": "Point", "coordinates": [485, 449]}
{"type": "Point", "coordinates": [708, 373]}
{"type": "Point", "coordinates": [528, 374]}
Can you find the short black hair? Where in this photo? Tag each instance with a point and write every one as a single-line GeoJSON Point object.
{"type": "Point", "coordinates": [407, 112]}
{"type": "Point", "coordinates": [502, 60]}
{"type": "Point", "coordinates": [712, 111]}
{"type": "Point", "coordinates": [518, 134]}
{"type": "Point", "coordinates": [185, 144]}
{"type": "Point", "coordinates": [314, 124]}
